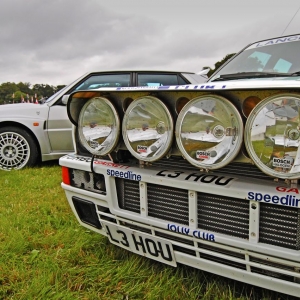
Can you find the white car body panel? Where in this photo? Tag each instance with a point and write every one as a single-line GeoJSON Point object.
{"type": "Point", "coordinates": [27, 115]}
{"type": "Point", "coordinates": [239, 187]}
{"type": "Point", "coordinates": [236, 215]}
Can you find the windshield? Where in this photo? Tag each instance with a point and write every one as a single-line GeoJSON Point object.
{"type": "Point", "coordinates": [279, 55]}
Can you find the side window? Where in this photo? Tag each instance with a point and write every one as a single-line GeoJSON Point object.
{"type": "Point", "coordinates": [105, 80]}
{"type": "Point", "coordinates": [181, 81]}
{"type": "Point", "coordinates": [157, 79]}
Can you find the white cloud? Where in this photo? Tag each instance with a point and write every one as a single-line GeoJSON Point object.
{"type": "Point", "coordinates": [56, 41]}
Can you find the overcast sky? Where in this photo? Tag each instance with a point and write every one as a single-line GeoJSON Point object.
{"type": "Point", "coordinates": [56, 41]}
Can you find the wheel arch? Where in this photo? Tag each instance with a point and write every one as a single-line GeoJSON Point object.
{"type": "Point", "coordinates": [28, 130]}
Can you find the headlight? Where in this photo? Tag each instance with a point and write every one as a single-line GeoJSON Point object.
{"type": "Point", "coordinates": [147, 128]}
{"type": "Point", "coordinates": [99, 126]}
{"type": "Point", "coordinates": [209, 132]}
{"type": "Point", "coordinates": [272, 136]}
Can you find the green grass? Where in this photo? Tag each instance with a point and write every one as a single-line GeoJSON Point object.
{"type": "Point", "coordinates": [46, 254]}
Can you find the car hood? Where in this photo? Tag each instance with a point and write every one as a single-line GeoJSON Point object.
{"type": "Point", "coordinates": [275, 82]}
{"type": "Point", "coordinates": [263, 79]}
{"type": "Point", "coordinates": [23, 110]}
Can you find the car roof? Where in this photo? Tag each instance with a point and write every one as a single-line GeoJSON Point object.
{"type": "Point", "coordinates": [141, 70]}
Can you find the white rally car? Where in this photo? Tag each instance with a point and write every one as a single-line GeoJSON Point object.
{"type": "Point", "coordinates": [203, 175]}
{"type": "Point", "coordinates": [30, 132]}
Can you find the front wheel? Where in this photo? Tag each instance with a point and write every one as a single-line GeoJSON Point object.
{"type": "Point", "coordinates": [17, 149]}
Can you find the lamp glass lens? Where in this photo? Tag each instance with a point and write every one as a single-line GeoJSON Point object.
{"type": "Point", "coordinates": [272, 136]}
{"type": "Point", "coordinates": [209, 132]}
{"type": "Point", "coordinates": [148, 128]}
{"type": "Point", "coordinates": [99, 126]}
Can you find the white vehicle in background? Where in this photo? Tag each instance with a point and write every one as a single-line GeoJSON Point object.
{"type": "Point", "coordinates": [216, 187]}
{"type": "Point", "coordinates": [30, 133]}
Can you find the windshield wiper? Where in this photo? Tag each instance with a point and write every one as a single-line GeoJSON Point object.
{"type": "Point", "coordinates": [295, 73]}
{"type": "Point", "coordinates": [248, 75]}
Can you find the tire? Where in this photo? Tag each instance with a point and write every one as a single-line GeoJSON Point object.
{"type": "Point", "coordinates": [17, 149]}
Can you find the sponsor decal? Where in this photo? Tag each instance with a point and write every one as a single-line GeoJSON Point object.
{"type": "Point", "coordinates": [142, 149]}
{"type": "Point", "coordinates": [287, 189]}
{"type": "Point", "coordinates": [172, 87]}
{"type": "Point", "coordinates": [127, 175]}
{"type": "Point", "coordinates": [286, 200]}
{"type": "Point", "coordinates": [79, 158]}
{"type": "Point", "coordinates": [195, 87]}
{"type": "Point", "coordinates": [282, 162]}
{"type": "Point", "coordinates": [97, 162]}
{"type": "Point", "coordinates": [281, 40]}
{"type": "Point", "coordinates": [94, 144]}
{"type": "Point", "coordinates": [138, 88]}
{"type": "Point", "coordinates": [199, 234]}
{"type": "Point", "coordinates": [110, 164]}
{"type": "Point", "coordinates": [197, 177]}
{"type": "Point", "coordinates": [202, 154]}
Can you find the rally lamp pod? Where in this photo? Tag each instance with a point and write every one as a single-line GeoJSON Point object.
{"type": "Point", "coordinates": [272, 136]}
{"type": "Point", "coordinates": [99, 126]}
{"type": "Point", "coordinates": [147, 128]}
{"type": "Point", "coordinates": [209, 132]}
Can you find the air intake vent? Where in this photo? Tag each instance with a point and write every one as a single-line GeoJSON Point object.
{"type": "Point", "coordinates": [280, 226]}
{"type": "Point", "coordinates": [223, 215]}
{"type": "Point", "coordinates": [168, 203]}
{"type": "Point", "coordinates": [128, 194]}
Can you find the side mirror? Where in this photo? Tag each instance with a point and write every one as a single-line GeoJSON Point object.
{"type": "Point", "coordinates": [203, 72]}
{"type": "Point", "coordinates": [65, 99]}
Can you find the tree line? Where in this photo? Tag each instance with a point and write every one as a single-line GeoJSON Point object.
{"type": "Point", "coordinates": [218, 64]}
{"type": "Point", "coordinates": [11, 92]}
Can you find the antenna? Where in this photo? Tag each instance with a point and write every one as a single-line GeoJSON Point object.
{"type": "Point", "coordinates": [290, 21]}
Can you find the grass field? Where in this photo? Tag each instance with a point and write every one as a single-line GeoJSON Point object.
{"type": "Point", "coordinates": [46, 254]}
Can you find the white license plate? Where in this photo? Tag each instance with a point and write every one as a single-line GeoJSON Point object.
{"type": "Point", "coordinates": [140, 243]}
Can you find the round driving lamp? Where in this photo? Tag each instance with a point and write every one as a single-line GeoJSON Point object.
{"type": "Point", "coordinates": [272, 136]}
{"type": "Point", "coordinates": [98, 126]}
{"type": "Point", "coordinates": [209, 132]}
{"type": "Point", "coordinates": [147, 129]}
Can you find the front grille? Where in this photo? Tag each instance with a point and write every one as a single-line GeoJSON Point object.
{"type": "Point", "coordinates": [272, 274]}
{"type": "Point", "coordinates": [214, 257]}
{"type": "Point", "coordinates": [128, 194]}
{"type": "Point", "coordinates": [175, 209]}
{"type": "Point", "coordinates": [223, 215]}
{"type": "Point", "coordinates": [279, 225]}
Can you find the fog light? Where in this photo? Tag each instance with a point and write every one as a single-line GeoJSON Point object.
{"type": "Point", "coordinates": [99, 126]}
{"type": "Point", "coordinates": [272, 136]}
{"type": "Point", "coordinates": [209, 132]}
{"type": "Point", "coordinates": [147, 128]}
